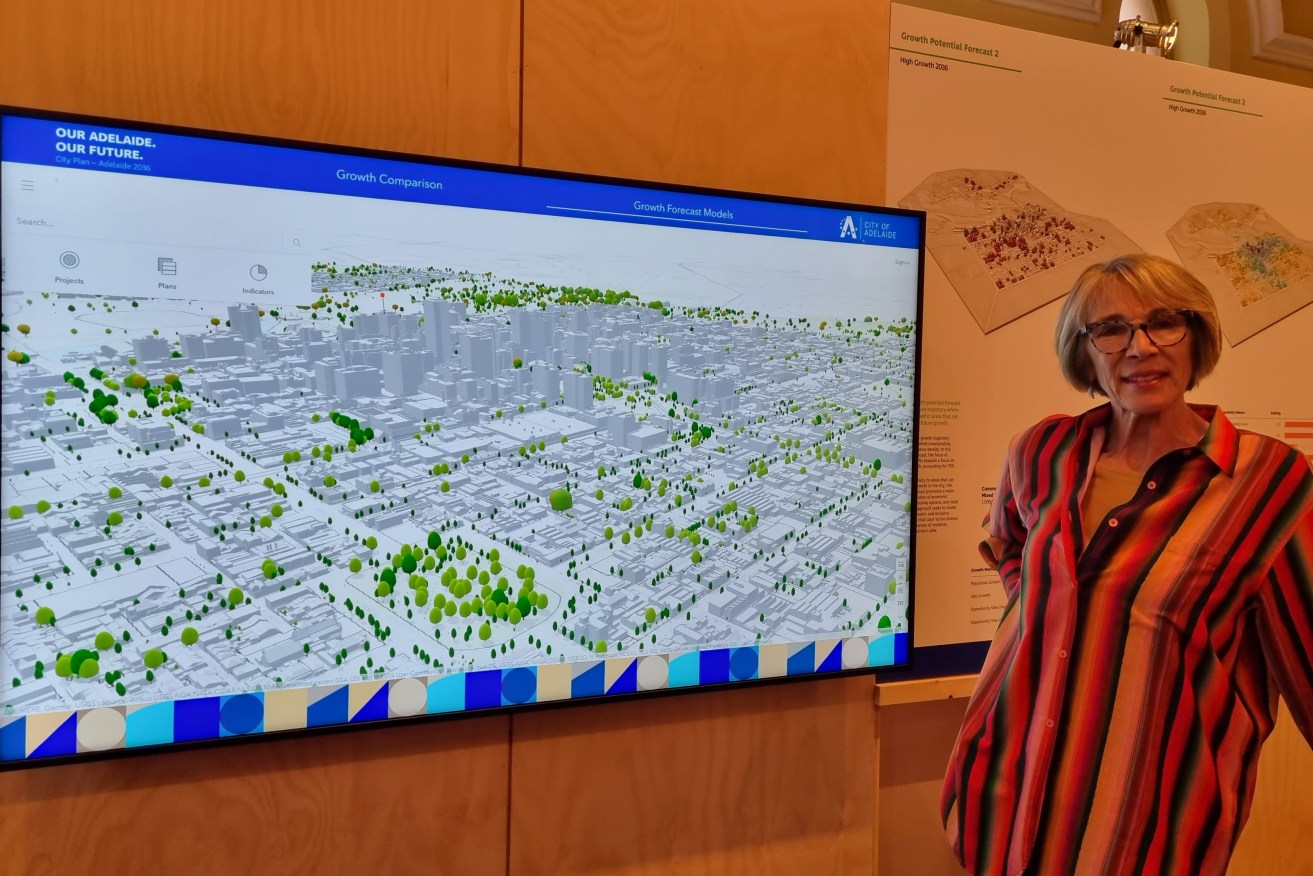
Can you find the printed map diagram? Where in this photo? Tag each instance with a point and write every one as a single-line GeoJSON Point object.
{"type": "Point", "coordinates": [1006, 247]}
{"type": "Point", "coordinates": [1259, 273]}
{"type": "Point", "coordinates": [475, 471]}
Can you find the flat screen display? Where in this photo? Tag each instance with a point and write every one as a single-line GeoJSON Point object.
{"type": "Point", "coordinates": [296, 436]}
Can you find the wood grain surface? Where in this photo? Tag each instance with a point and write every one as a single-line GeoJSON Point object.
{"type": "Point", "coordinates": [773, 96]}
{"type": "Point", "coordinates": [915, 740]}
{"type": "Point", "coordinates": [770, 779]}
{"type": "Point", "coordinates": [412, 76]}
{"type": "Point", "coordinates": [414, 798]}
{"type": "Point", "coordinates": [435, 77]}
{"type": "Point", "coordinates": [1278, 839]}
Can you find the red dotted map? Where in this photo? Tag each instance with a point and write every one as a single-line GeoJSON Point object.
{"type": "Point", "coordinates": [1005, 246]}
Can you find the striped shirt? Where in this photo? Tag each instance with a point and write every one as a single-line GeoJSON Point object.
{"type": "Point", "coordinates": [1116, 725]}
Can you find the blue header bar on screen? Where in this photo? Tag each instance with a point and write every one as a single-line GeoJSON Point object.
{"type": "Point", "coordinates": [172, 156]}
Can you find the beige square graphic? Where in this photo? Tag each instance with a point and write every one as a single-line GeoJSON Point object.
{"type": "Point", "coordinates": [285, 709]}
{"type": "Point", "coordinates": [554, 681]}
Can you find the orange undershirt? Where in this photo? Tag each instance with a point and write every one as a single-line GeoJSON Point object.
{"type": "Point", "coordinates": [1113, 484]}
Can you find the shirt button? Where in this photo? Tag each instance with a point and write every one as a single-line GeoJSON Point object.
{"type": "Point", "coordinates": [1049, 723]}
{"type": "Point", "coordinates": [1062, 654]}
{"type": "Point", "coordinates": [1153, 485]}
{"type": "Point", "coordinates": [1113, 522]}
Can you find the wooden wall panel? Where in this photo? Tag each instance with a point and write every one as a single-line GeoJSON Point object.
{"type": "Point", "coordinates": [771, 779]}
{"type": "Point", "coordinates": [1276, 839]}
{"type": "Point", "coordinates": [1064, 19]}
{"type": "Point", "coordinates": [778, 96]}
{"type": "Point", "coordinates": [413, 75]}
{"type": "Point", "coordinates": [414, 798]}
{"type": "Point", "coordinates": [915, 741]}
{"type": "Point", "coordinates": [436, 78]}
{"type": "Point", "coordinates": [759, 95]}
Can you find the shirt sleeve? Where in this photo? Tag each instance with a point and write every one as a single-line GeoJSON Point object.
{"type": "Point", "coordinates": [1006, 532]}
{"type": "Point", "coordinates": [1285, 618]}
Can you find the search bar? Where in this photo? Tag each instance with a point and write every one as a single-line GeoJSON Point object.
{"type": "Point", "coordinates": [297, 240]}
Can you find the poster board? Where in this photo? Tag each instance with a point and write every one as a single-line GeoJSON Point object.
{"type": "Point", "coordinates": [1034, 157]}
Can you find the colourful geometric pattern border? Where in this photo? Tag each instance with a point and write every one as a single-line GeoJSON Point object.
{"type": "Point", "coordinates": [62, 734]}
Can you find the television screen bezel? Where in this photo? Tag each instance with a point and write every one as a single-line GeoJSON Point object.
{"type": "Point", "coordinates": [905, 668]}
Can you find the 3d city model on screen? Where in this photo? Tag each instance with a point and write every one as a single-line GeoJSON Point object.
{"type": "Point", "coordinates": [448, 454]}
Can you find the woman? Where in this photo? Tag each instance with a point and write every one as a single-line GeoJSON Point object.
{"type": "Point", "coordinates": [1158, 565]}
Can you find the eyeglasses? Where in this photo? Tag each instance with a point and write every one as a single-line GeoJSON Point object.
{"type": "Point", "coordinates": [1162, 329]}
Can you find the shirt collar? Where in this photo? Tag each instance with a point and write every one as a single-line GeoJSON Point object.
{"type": "Point", "coordinates": [1220, 444]}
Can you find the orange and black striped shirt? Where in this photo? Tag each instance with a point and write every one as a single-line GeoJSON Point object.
{"type": "Point", "coordinates": [1116, 725]}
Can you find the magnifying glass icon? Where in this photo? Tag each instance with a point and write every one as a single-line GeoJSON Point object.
{"type": "Point", "coordinates": [296, 241]}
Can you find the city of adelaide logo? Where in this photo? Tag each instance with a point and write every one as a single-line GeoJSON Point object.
{"type": "Point", "coordinates": [848, 228]}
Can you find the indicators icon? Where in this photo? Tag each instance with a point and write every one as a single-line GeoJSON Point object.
{"type": "Point", "coordinates": [259, 272]}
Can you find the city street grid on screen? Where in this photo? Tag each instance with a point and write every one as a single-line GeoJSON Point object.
{"type": "Point", "coordinates": [464, 440]}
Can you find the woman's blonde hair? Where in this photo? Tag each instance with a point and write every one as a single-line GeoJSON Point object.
{"type": "Point", "coordinates": [1160, 284]}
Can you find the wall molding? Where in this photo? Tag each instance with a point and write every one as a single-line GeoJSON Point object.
{"type": "Point", "coordinates": [1089, 11]}
{"type": "Point", "coordinates": [1268, 38]}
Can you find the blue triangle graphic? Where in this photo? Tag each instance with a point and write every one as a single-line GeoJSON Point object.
{"type": "Point", "coordinates": [628, 680]}
{"type": "Point", "coordinates": [803, 661]}
{"type": "Point", "coordinates": [591, 682]}
{"type": "Point", "coordinates": [833, 662]}
{"type": "Point", "coordinates": [374, 710]}
{"type": "Point", "coordinates": [330, 710]}
{"type": "Point", "coordinates": [63, 741]}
